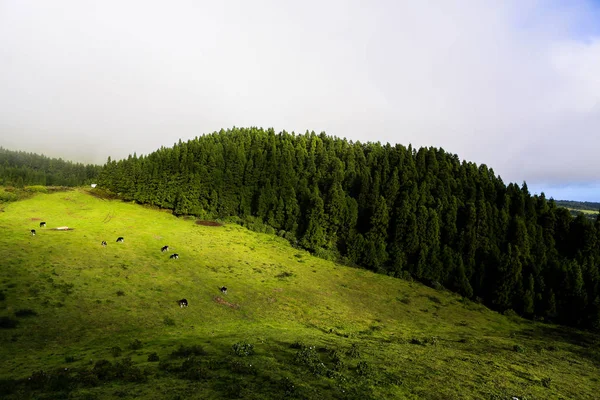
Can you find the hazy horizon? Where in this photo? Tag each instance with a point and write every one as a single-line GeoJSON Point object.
{"type": "Point", "coordinates": [513, 85]}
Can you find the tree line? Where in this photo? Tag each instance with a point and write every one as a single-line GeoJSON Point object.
{"type": "Point", "coordinates": [405, 212]}
{"type": "Point", "coordinates": [19, 169]}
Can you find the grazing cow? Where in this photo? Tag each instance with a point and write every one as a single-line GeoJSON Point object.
{"type": "Point", "coordinates": [104, 243]}
{"type": "Point", "coordinates": [182, 303]}
{"type": "Point", "coordinates": [120, 240]}
{"type": "Point", "coordinates": [164, 248]}
{"type": "Point", "coordinates": [223, 289]}
{"type": "Point", "coordinates": [33, 232]}
{"type": "Point", "coordinates": [42, 224]}
{"type": "Point", "coordinates": [175, 256]}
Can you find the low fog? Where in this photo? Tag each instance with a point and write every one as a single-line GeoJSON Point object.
{"type": "Point", "coordinates": [512, 84]}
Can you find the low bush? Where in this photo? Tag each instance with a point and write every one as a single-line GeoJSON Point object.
{"type": "Point", "coordinates": [353, 351]}
{"type": "Point", "coordinates": [363, 369]}
{"type": "Point", "coordinates": [116, 351]}
{"type": "Point", "coordinates": [518, 348]}
{"type": "Point", "coordinates": [546, 382]}
{"type": "Point", "coordinates": [8, 322]}
{"type": "Point", "coordinates": [153, 357]}
{"type": "Point", "coordinates": [187, 351]}
{"type": "Point", "coordinates": [25, 312]}
{"type": "Point", "coordinates": [243, 349]}
{"type": "Point", "coordinates": [135, 345]}
{"type": "Point", "coordinates": [308, 357]}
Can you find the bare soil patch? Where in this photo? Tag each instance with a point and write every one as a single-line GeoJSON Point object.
{"type": "Point", "coordinates": [35, 219]}
{"type": "Point", "coordinates": [208, 223]}
{"type": "Point", "coordinates": [220, 300]}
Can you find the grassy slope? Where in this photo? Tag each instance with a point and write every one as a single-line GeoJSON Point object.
{"type": "Point", "coordinates": [321, 304]}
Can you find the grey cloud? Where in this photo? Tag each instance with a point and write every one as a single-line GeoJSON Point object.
{"type": "Point", "coordinates": [511, 84]}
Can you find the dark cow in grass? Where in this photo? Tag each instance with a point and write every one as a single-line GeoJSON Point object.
{"type": "Point", "coordinates": [164, 248]}
{"type": "Point", "coordinates": [182, 303]}
{"type": "Point", "coordinates": [223, 289]}
{"type": "Point", "coordinates": [120, 240]}
{"type": "Point", "coordinates": [33, 232]}
{"type": "Point", "coordinates": [103, 243]}
{"type": "Point", "coordinates": [42, 224]}
{"type": "Point", "coordinates": [174, 256]}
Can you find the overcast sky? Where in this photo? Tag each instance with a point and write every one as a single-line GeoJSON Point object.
{"type": "Point", "coordinates": [512, 84]}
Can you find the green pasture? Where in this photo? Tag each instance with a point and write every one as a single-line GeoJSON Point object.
{"type": "Point", "coordinates": [316, 330]}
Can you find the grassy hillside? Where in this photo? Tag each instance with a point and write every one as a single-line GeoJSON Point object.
{"type": "Point", "coordinates": [291, 325]}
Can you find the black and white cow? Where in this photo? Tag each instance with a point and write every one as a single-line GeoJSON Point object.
{"type": "Point", "coordinates": [42, 224]}
{"type": "Point", "coordinates": [175, 256]}
{"type": "Point", "coordinates": [223, 289]}
{"type": "Point", "coordinates": [120, 239]}
{"type": "Point", "coordinates": [164, 248]}
{"type": "Point", "coordinates": [104, 243]}
{"type": "Point", "coordinates": [33, 232]}
{"type": "Point", "coordinates": [182, 303]}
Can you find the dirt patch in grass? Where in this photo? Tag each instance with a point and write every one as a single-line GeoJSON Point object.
{"type": "Point", "coordinates": [208, 223]}
{"type": "Point", "coordinates": [36, 219]}
{"type": "Point", "coordinates": [220, 300]}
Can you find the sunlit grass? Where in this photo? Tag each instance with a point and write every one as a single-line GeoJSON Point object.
{"type": "Point", "coordinates": [416, 342]}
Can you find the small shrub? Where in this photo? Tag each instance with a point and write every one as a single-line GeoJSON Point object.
{"type": "Point", "coordinates": [8, 322]}
{"type": "Point", "coordinates": [2, 296]}
{"type": "Point", "coordinates": [546, 382]}
{"type": "Point", "coordinates": [510, 313]}
{"type": "Point", "coordinates": [135, 345]}
{"type": "Point", "coordinates": [240, 367]}
{"type": "Point", "coordinates": [518, 348]}
{"type": "Point", "coordinates": [116, 351]}
{"type": "Point", "coordinates": [188, 351]}
{"type": "Point", "coordinates": [434, 299]}
{"type": "Point", "coordinates": [243, 349]}
{"type": "Point", "coordinates": [193, 370]}
{"type": "Point", "coordinates": [69, 359]}
{"type": "Point", "coordinates": [336, 359]}
{"type": "Point", "coordinates": [284, 275]}
{"type": "Point", "coordinates": [406, 300]}
{"type": "Point", "coordinates": [103, 369]}
{"type": "Point", "coordinates": [297, 345]}
{"type": "Point", "coordinates": [120, 293]}
{"type": "Point", "coordinates": [405, 275]}
{"type": "Point", "coordinates": [87, 378]}
{"type": "Point", "coordinates": [169, 321]}
{"type": "Point", "coordinates": [167, 366]}
{"type": "Point", "coordinates": [153, 357]}
{"type": "Point", "coordinates": [308, 357]}
{"type": "Point", "coordinates": [363, 369]}
{"type": "Point", "coordinates": [416, 341]}
{"type": "Point", "coordinates": [353, 351]}
{"type": "Point", "coordinates": [287, 386]}
{"type": "Point", "coordinates": [25, 312]}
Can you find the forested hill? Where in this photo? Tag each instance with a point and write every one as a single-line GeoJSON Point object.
{"type": "Point", "coordinates": [579, 205]}
{"type": "Point", "coordinates": [18, 168]}
{"type": "Point", "coordinates": [391, 209]}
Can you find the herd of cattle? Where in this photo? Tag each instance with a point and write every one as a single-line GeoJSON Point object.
{"type": "Point", "coordinates": [120, 239]}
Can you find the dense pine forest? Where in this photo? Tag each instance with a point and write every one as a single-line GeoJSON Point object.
{"type": "Point", "coordinates": [18, 168]}
{"type": "Point", "coordinates": [411, 213]}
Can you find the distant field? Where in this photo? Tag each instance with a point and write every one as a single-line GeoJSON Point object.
{"type": "Point", "coordinates": [103, 323]}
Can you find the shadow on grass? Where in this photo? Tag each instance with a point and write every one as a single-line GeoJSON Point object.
{"type": "Point", "coordinates": [584, 344]}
